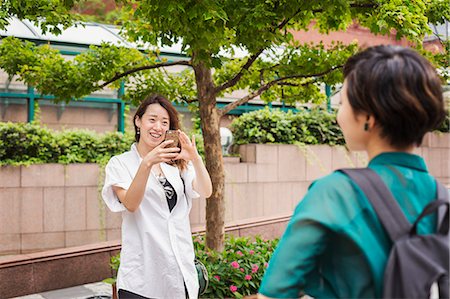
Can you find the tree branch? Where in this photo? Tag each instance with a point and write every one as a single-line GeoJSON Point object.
{"type": "Point", "coordinates": [233, 81]}
{"type": "Point", "coordinates": [245, 99]}
{"type": "Point", "coordinates": [238, 76]}
{"type": "Point", "coordinates": [321, 74]}
{"type": "Point", "coordinates": [145, 67]}
{"type": "Point", "coordinates": [435, 33]}
{"type": "Point", "coordinates": [265, 87]}
{"type": "Point", "coordinates": [189, 101]}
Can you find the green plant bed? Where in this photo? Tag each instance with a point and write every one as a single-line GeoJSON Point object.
{"type": "Point", "coordinates": [30, 143]}
{"type": "Point", "coordinates": [313, 126]}
{"type": "Point", "coordinates": [233, 273]}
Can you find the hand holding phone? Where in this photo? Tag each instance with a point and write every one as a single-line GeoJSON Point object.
{"type": "Point", "coordinates": [172, 135]}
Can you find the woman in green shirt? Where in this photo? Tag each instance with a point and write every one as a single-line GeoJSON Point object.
{"type": "Point", "coordinates": [334, 246]}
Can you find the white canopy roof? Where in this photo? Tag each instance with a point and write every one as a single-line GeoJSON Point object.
{"type": "Point", "coordinates": [82, 34]}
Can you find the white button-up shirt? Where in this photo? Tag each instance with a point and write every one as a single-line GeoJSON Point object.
{"type": "Point", "coordinates": [157, 253]}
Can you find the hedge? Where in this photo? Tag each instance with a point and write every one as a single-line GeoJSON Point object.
{"type": "Point", "coordinates": [28, 143]}
{"type": "Point", "coordinates": [276, 126]}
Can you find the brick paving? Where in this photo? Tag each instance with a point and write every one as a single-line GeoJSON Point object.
{"type": "Point", "coordinates": [98, 290]}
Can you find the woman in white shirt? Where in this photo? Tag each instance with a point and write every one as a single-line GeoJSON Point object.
{"type": "Point", "coordinates": [153, 185]}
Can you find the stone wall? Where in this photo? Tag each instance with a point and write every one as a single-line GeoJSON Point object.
{"type": "Point", "coordinates": [55, 206]}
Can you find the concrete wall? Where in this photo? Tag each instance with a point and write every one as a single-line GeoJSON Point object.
{"type": "Point", "coordinates": [54, 206]}
{"type": "Point", "coordinates": [55, 269]}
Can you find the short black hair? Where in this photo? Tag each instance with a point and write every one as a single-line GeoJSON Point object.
{"type": "Point", "coordinates": [400, 88]}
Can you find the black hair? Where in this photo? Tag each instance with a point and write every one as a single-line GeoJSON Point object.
{"type": "Point", "coordinates": [399, 88]}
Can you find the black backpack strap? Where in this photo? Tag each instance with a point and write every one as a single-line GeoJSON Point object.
{"type": "Point", "coordinates": [382, 200]}
{"type": "Point", "coordinates": [443, 212]}
{"type": "Point", "coordinates": [442, 192]}
{"type": "Point", "coordinates": [432, 207]}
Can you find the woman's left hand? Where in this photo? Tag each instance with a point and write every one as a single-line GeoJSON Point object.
{"type": "Point", "coordinates": [188, 147]}
{"type": "Point", "coordinates": [202, 181]}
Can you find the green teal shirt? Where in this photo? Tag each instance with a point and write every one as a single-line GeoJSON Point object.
{"type": "Point", "coordinates": [334, 246]}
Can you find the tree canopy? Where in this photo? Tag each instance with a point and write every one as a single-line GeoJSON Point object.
{"type": "Point", "coordinates": [210, 32]}
{"type": "Point", "coordinates": [49, 15]}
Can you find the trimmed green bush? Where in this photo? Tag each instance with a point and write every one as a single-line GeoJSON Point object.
{"type": "Point", "coordinates": [313, 126]}
{"type": "Point", "coordinates": [29, 143]}
{"type": "Point", "coordinates": [317, 126]}
{"type": "Point", "coordinates": [24, 143]}
{"type": "Point", "coordinates": [77, 146]}
{"type": "Point", "coordinates": [113, 143]}
{"type": "Point", "coordinates": [264, 126]}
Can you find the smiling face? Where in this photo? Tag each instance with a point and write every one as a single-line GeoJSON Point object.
{"type": "Point", "coordinates": [153, 125]}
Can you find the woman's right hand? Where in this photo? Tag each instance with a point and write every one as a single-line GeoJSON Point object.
{"type": "Point", "coordinates": [161, 153]}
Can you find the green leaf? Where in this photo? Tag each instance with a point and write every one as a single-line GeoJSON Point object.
{"type": "Point", "coordinates": [109, 280]}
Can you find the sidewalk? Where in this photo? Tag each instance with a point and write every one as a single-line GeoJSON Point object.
{"type": "Point", "coordinates": [97, 290]}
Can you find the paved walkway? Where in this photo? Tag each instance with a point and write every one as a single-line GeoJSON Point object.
{"type": "Point", "coordinates": [98, 290]}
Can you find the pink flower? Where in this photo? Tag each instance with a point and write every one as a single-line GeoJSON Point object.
{"type": "Point", "coordinates": [248, 277]}
{"type": "Point", "coordinates": [233, 288]}
{"type": "Point", "coordinates": [255, 268]}
{"type": "Point", "coordinates": [235, 264]}
{"type": "Point", "coordinates": [251, 252]}
{"type": "Point", "coordinates": [239, 253]}
{"type": "Point", "coordinates": [242, 269]}
{"type": "Point", "coordinates": [217, 277]}
{"type": "Point", "coordinates": [266, 265]}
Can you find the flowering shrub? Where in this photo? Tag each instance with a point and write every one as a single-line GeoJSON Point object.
{"type": "Point", "coordinates": [237, 270]}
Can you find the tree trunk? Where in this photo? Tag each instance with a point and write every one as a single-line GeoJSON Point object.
{"type": "Point", "coordinates": [210, 124]}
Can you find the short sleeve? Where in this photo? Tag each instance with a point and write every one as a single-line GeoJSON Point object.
{"type": "Point", "coordinates": [329, 207]}
{"type": "Point", "coordinates": [294, 258]}
{"type": "Point", "coordinates": [188, 176]}
{"type": "Point", "coordinates": [115, 175]}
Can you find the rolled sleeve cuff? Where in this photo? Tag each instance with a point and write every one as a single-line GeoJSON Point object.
{"type": "Point", "coordinates": [111, 199]}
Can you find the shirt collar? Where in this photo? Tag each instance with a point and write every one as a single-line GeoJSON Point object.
{"type": "Point", "coordinates": [400, 159]}
{"type": "Point", "coordinates": [135, 151]}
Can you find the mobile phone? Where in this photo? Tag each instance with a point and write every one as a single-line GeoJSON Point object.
{"type": "Point", "coordinates": [172, 135]}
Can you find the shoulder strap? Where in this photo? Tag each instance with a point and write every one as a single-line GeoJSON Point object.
{"type": "Point", "coordinates": [443, 212]}
{"type": "Point", "coordinates": [382, 200]}
{"type": "Point", "coordinates": [442, 192]}
{"type": "Point", "coordinates": [184, 186]}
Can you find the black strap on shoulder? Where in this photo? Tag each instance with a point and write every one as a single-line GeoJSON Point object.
{"type": "Point", "coordinates": [443, 211]}
{"type": "Point", "coordinates": [432, 207]}
{"type": "Point", "coordinates": [442, 192]}
{"type": "Point", "coordinates": [382, 200]}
